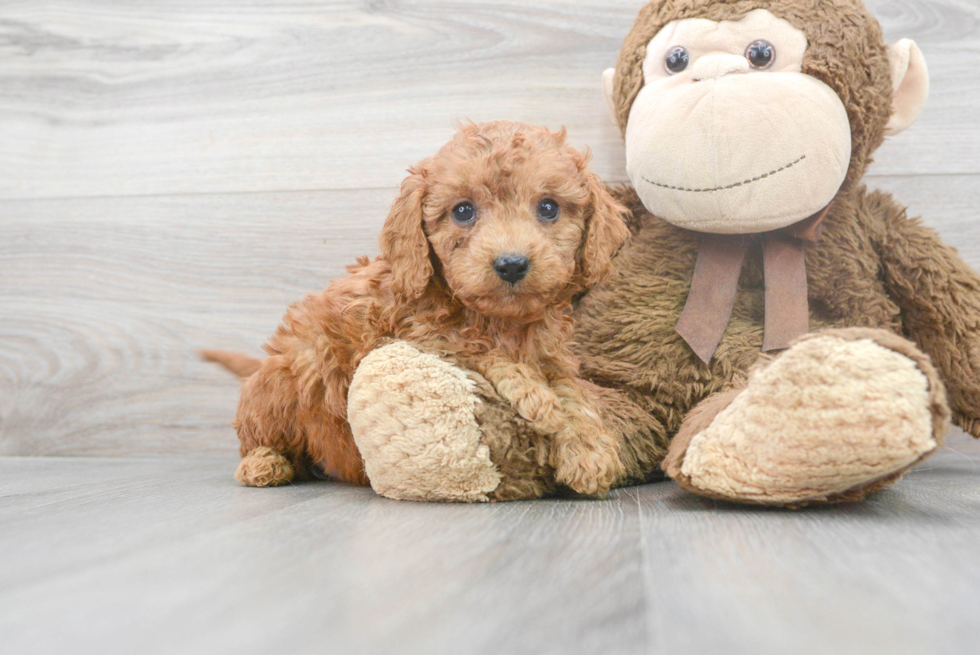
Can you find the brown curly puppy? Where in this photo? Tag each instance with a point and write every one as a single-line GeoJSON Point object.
{"type": "Point", "coordinates": [481, 255]}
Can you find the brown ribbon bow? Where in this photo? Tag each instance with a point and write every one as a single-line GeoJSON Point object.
{"type": "Point", "coordinates": [712, 297]}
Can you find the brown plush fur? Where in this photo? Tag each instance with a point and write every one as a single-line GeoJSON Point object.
{"type": "Point", "coordinates": [873, 266]}
{"type": "Point", "coordinates": [434, 286]}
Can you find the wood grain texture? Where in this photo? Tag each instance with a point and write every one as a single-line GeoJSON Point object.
{"type": "Point", "coordinates": [167, 556]}
{"type": "Point", "coordinates": [174, 174]}
{"type": "Point", "coordinates": [894, 574]}
{"type": "Point", "coordinates": [104, 99]}
{"type": "Point", "coordinates": [105, 301]}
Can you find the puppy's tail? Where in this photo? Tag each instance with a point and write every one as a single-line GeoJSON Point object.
{"type": "Point", "coordinates": [239, 364]}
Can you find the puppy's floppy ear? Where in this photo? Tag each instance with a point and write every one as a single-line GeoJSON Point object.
{"type": "Point", "coordinates": [605, 233]}
{"type": "Point", "coordinates": [403, 242]}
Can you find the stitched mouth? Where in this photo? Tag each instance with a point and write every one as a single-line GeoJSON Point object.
{"type": "Point", "coordinates": [727, 186]}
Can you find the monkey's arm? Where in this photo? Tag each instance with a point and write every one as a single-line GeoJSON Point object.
{"type": "Point", "coordinates": [939, 295]}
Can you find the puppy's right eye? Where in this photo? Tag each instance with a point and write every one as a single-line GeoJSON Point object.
{"type": "Point", "coordinates": [464, 213]}
{"type": "Point", "coordinates": [548, 210]}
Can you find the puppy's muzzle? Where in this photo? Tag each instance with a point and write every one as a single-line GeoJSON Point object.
{"type": "Point", "coordinates": [511, 268]}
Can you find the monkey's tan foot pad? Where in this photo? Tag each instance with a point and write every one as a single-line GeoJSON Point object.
{"type": "Point", "coordinates": [413, 419]}
{"type": "Point", "coordinates": [264, 467]}
{"type": "Point", "coordinates": [840, 414]}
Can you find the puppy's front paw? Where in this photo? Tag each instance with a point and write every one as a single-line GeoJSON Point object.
{"type": "Point", "coordinates": [539, 405]}
{"type": "Point", "coordinates": [589, 468]}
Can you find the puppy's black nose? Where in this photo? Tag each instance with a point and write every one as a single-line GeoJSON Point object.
{"type": "Point", "coordinates": [511, 268]}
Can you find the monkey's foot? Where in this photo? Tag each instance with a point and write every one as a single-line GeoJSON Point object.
{"type": "Point", "coordinates": [840, 414]}
{"type": "Point", "coordinates": [413, 417]}
{"type": "Point", "coordinates": [264, 467]}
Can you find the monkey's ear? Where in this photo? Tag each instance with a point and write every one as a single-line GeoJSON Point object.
{"type": "Point", "coordinates": [608, 77]}
{"type": "Point", "coordinates": [403, 242]}
{"type": "Point", "coordinates": [910, 84]}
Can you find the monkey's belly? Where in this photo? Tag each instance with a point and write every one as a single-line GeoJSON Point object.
{"type": "Point", "coordinates": [625, 329]}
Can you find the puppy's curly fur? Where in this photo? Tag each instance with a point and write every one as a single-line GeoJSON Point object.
{"type": "Point", "coordinates": [435, 285]}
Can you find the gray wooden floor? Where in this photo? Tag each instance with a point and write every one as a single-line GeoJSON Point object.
{"type": "Point", "coordinates": [173, 174]}
{"type": "Point", "coordinates": [102, 555]}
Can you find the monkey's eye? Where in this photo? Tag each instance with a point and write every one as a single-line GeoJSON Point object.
{"type": "Point", "coordinates": [464, 213]}
{"type": "Point", "coordinates": [761, 54]}
{"type": "Point", "coordinates": [548, 210]}
{"type": "Point", "coordinates": [677, 59]}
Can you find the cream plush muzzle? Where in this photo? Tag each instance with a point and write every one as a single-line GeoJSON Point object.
{"type": "Point", "coordinates": [703, 157]}
{"type": "Point", "coordinates": [720, 147]}
{"type": "Point", "coordinates": [723, 147]}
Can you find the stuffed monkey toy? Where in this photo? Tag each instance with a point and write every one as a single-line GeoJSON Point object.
{"type": "Point", "coordinates": [775, 332]}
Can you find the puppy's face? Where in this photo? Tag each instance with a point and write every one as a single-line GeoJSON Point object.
{"type": "Point", "coordinates": [507, 212]}
{"type": "Point", "coordinates": [509, 216]}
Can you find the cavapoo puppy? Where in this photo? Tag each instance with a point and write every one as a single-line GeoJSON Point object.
{"type": "Point", "coordinates": [481, 255]}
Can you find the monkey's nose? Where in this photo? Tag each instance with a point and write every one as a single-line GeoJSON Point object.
{"type": "Point", "coordinates": [511, 268]}
{"type": "Point", "coordinates": [714, 66]}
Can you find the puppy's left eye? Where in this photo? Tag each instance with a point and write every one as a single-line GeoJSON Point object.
{"type": "Point", "coordinates": [548, 210]}
{"type": "Point", "coordinates": [464, 213]}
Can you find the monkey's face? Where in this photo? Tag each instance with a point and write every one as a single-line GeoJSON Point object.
{"type": "Point", "coordinates": [727, 134]}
